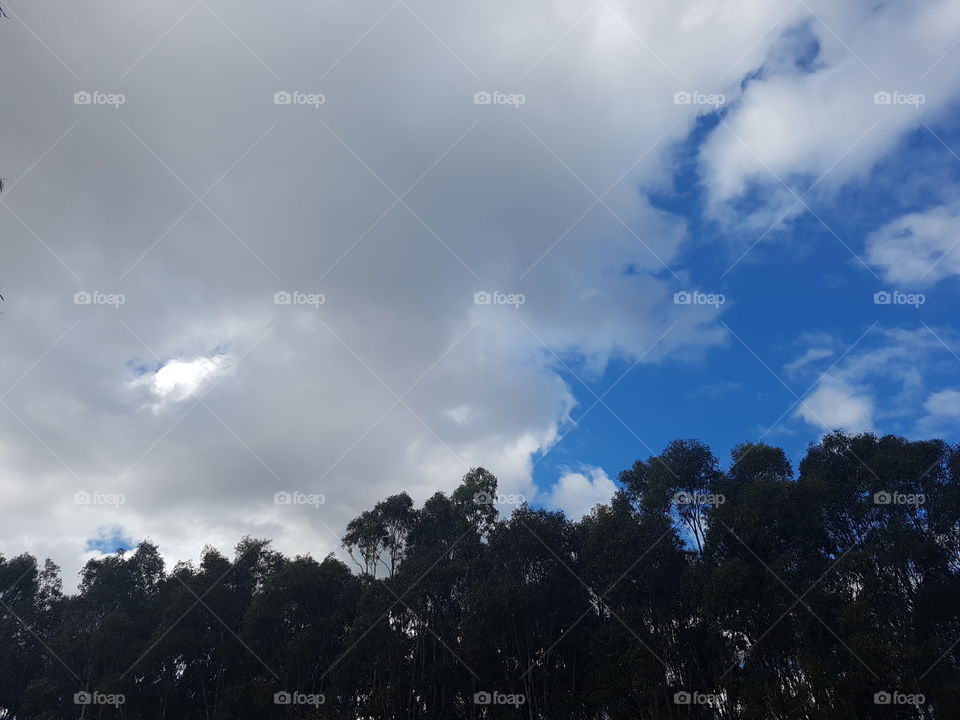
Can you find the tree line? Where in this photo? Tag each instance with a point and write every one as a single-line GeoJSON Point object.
{"type": "Point", "coordinates": [696, 592]}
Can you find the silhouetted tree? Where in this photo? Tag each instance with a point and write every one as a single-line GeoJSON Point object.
{"type": "Point", "coordinates": [779, 598]}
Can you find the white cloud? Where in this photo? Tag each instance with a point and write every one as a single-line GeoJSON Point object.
{"type": "Point", "coordinates": [945, 403]}
{"type": "Point", "coordinates": [821, 122]}
{"type": "Point", "coordinates": [461, 415]}
{"type": "Point", "coordinates": [880, 384]}
{"type": "Point", "coordinates": [920, 248]}
{"type": "Point", "coordinates": [577, 492]}
{"type": "Point", "coordinates": [942, 415]}
{"type": "Point", "coordinates": [836, 405]}
{"type": "Point", "coordinates": [179, 380]}
{"type": "Point", "coordinates": [812, 355]}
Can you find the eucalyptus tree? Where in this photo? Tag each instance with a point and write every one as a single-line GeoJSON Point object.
{"type": "Point", "coordinates": [792, 598]}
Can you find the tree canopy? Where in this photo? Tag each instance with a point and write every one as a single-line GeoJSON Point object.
{"type": "Point", "coordinates": [696, 592]}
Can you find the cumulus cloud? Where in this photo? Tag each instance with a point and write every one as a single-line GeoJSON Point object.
{"type": "Point", "coordinates": [944, 403]}
{"type": "Point", "coordinates": [919, 248]}
{"type": "Point", "coordinates": [577, 492]}
{"type": "Point", "coordinates": [835, 405]}
{"type": "Point", "coordinates": [942, 415]}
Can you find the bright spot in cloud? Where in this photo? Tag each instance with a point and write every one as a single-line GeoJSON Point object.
{"type": "Point", "coordinates": [179, 380]}
{"type": "Point", "coordinates": [461, 415]}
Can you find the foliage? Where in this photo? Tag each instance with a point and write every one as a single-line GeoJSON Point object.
{"type": "Point", "coordinates": [774, 597]}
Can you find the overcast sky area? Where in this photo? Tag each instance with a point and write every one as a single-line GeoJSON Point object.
{"type": "Point", "coordinates": [348, 249]}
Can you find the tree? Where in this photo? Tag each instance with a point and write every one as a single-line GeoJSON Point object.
{"type": "Point", "coordinates": [793, 598]}
{"type": "Point", "coordinates": [683, 479]}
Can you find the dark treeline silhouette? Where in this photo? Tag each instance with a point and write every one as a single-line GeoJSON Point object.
{"type": "Point", "coordinates": [695, 593]}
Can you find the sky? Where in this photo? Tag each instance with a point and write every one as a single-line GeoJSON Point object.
{"type": "Point", "coordinates": [265, 266]}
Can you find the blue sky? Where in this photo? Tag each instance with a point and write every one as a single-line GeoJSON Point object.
{"type": "Point", "coordinates": [799, 280]}
{"type": "Point", "coordinates": [110, 540]}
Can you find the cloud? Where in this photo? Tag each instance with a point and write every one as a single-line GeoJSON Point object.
{"type": "Point", "coordinates": [179, 380]}
{"type": "Point", "coordinates": [836, 405]}
{"type": "Point", "coordinates": [945, 403]}
{"type": "Point", "coordinates": [829, 103]}
{"type": "Point", "coordinates": [810, 356]}
{"type": "Point", "coordinates": [919, 248]}
{"type": "Point", "coordinates": [397, 381]}
{"type": "Point", "coordinates": [396, 199]}
{"type": "Point", "coordinates": [942, 414]}
{"type": "Point", "coordinates": [880, 384]}
{"type": "Point", "coordinates": [577, 492]}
